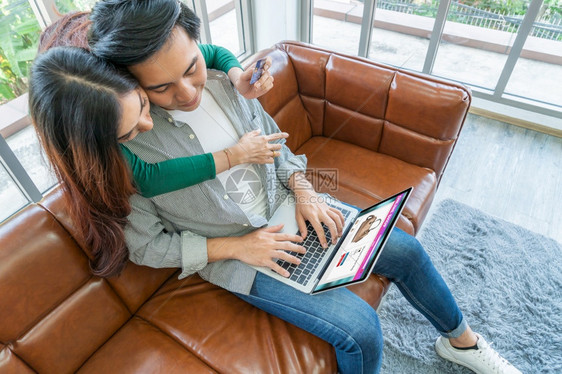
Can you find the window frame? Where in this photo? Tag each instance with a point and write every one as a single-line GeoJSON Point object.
{"type": "Point", "coordinates": [498, 94]}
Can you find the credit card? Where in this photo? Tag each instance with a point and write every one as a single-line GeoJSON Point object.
{"type": "Point", "coordinates": [258, 71]}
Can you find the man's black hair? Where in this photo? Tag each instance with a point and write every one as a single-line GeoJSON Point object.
{"type": "Point", "coordinates": [128, 32]}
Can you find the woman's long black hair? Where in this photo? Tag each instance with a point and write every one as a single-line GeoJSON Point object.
{"type": "Point", "coordinates": [73, 102]}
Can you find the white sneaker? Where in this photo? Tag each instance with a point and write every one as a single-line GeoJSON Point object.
{"type": "Point", "coordinates": [484, 360]}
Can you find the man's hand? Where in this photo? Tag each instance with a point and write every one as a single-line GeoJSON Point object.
{"type": "Point", "coordinates": [241, 80]}
{"type": "Point", "coordinates": [312, 208]}
{"type": "Point", "coordinates": [259, 248]}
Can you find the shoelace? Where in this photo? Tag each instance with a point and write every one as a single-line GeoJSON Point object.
{"type": "Point", "coordinates": [493, 358]}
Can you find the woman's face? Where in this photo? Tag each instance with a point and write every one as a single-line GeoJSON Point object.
{"type": "Point", "coordinates": [135, 116]}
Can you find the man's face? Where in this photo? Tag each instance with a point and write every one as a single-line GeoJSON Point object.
{"type": "Point", "coordinates": [174, 77]}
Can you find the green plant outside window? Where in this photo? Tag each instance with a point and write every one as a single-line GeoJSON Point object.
{"type": "Point", "coordinates": [19, 36]}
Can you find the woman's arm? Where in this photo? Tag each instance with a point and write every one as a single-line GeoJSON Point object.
{"type": "Point", "coordinates": [171, 175]}
{"type": "Point", "coordinates": [290, 170]}
{"type": "Point", "coordinates": [220, 58]}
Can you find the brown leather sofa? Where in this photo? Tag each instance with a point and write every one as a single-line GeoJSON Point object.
{"type": "Point", "coordinates": [375, 128]}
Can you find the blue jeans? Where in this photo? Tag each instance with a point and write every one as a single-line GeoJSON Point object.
{"type": "Point", "coordinates": [351, 325]}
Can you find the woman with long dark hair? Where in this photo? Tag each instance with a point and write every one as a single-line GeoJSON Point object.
{"type": "Point", "coordinates": [74, 101]}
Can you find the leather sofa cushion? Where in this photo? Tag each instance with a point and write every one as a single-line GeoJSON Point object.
{"type": "Point", "coordinates": [191, 317]}
{"type": "Point", "coordinates": [140, 347]}
{"type": "Point", "coordinates": [127, 285]}
{"type": "Point", "coordinates": [363, 178]}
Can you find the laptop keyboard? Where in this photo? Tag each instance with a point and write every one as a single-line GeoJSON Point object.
{"type": "Point", "coordinates": [314, 253]}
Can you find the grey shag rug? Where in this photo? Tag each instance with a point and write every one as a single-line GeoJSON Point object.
{"type": "Point", "coordinates": [507, 281]}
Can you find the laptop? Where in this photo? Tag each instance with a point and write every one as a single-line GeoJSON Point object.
{"type": "Point", "coordinates": [349, 261]}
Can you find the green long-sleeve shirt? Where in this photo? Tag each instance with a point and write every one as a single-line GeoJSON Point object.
{"type": "Point", "coordinates": [171, 175]}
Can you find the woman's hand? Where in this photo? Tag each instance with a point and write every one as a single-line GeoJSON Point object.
{"type": "Point", "coordinates": [254, 148]}
{"type": "Point", "coordinates": [241, 81]}
{"type": "Point", "coordinates": [261, 247]}
{"type": "Point", "coordinates": [312, 208]}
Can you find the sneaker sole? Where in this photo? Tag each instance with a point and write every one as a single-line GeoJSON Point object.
{"type": "Point", "coordinates": [442, 351]}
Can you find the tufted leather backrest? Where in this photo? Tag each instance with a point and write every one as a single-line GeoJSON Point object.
{"type": "Point", "coordinates": [409, 116]}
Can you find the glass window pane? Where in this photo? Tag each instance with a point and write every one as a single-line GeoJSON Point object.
{"type": "Point", "coordinates": [19, 35]}
{"type": "Point", "coordinates": [225, 25]}
{"type": "Point", "coordinates": [476, 40]}
{"type": "Point", "coordinates": [540, 61]}
{"type": "Point", "coordinates": [27, 149]}
{"type": "Point", "coordinates": [336, 25]}
{"type": "Point", "coordinates": [401, 32]}
{"type": "Point", "coordinates": [11, 198]}
{"type": "Point", "coordinates": [189, 4]}
{"type": "Point", "coordinates": [65, 6]}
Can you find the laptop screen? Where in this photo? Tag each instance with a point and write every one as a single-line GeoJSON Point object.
{"type": "Point", "coordinates": [362, 244]}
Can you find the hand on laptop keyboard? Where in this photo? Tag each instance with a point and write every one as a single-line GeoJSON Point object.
{"type": "Point", "coordinates": [313, 208]}
{"type": "Point", "coordinates": [264, 246]}
{"type": "Point", "coordinates": [302, 272]}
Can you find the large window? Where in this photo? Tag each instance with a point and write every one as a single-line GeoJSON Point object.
{"type": "Point", "coordinates": [541, 60]}
{"type": "Point", "coordinates": [26, 148]}
{"type": "Point", "coordinates": [23, 172]}
{"type": "Point", "coordinates": [224, 23]}
{"type": "Point", "coordinates": [507, 52]}
{"type": "Point", "coordinates": [11, 196]}
{"type": "Point", "coordinates": [19, 35]}
{"type": "Point", "coordinates": [472, 48]}
{"type": "Point", "coordinates": [65, 6]}
{"type": "Point", "coordinates": [400, 34]}
{"type": "Point", "coordinates": [477, 41]}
